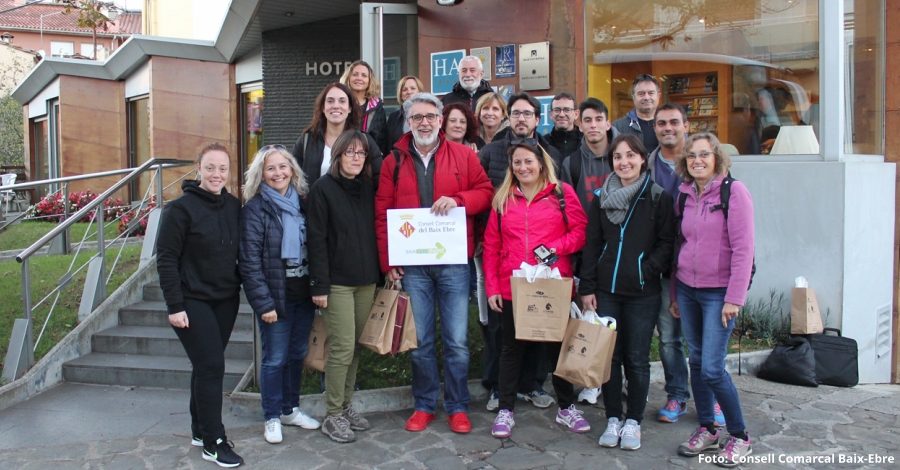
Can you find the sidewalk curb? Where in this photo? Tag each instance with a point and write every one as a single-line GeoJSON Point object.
{"type": "Point", "coordinates": [401, 398]}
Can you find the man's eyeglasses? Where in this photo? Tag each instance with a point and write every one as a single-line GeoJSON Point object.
{"type": "Point", "coordinates": [350, 153]}
{"type": "Point", "coordinates": [557, 111]}
{"type": "Point", "coordinates": [417, 118]}
{"type": "Point", "coordinates": [526, 114]}
{"type": "Point", "coordinates": [702, 155]}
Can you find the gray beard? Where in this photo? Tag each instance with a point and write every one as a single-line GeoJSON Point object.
{"type": "Point", "coordinates": [424, 142]}
{"type": "Point", "coordinates": [471, 88]}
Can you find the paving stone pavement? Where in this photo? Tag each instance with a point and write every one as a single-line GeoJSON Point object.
{"type": "Point", "coordinates": [85, 427]}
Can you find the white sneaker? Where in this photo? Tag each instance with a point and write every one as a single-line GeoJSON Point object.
{"type": "Point", "coordinates": [299, 418]}
{"type": "Point", "coordinates": [610, 437]}
{"type": "Point", "coordinates": [273, 431]}
{"type": "Point", "coordinates": [589, 395]}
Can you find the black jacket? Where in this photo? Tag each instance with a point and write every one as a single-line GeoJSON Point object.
{"type": "Point", "coordinates": [341, 227]}
{"type": "Point", "coordinates": [565, 142]}
{"type": "Point", "coordinates": [260, 261]}
{"type": "Point", "coordinates": [495, 160]}
{"type": "Point", "coordinates": [197, 247]}
{"type": "Point", "coordinates": [394, 129]}
{"type": "Point", "coordinates": [460, 95]}
{"type": "Point", "coordinates": [374, 123]}
{"type": "Point", "coordinates": [646, 241]}
{"type": "Point", "coordinates": [310, 158]}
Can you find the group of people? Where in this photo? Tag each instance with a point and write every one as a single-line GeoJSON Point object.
{"type": "Point", "coordinates": [634, 218]}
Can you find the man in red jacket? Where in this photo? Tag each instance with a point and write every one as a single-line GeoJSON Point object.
{"type": "Point", "coordinates": [434, 172]}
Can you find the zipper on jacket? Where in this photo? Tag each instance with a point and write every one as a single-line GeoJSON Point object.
{"type": "Point", "coordinates": [694, 251]}
{"type": "Point", "coordinates": [622, 227]}
{"type": "Point", "coordinates": [641, 271]}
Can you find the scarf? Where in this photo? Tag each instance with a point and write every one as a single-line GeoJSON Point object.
{"type": "Point", "coordinates": [615, 199]}
{"type": "Point", "coordinates": [293, 222]}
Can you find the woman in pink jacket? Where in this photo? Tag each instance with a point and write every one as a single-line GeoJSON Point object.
{"type": "Point", "coordinates": [712, 275]}
{"type": "Point", "coordinates": [528, 212]}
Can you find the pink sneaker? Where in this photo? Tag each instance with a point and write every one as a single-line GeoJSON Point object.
{"type": "Point", "coordinates": [571, 418]}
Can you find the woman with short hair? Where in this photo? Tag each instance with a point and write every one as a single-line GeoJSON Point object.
{"type": "Point", "coordinates": [360, 78]}
{"type": "Point", "coordinates": [713, 266]}
{"type": "Point", "coordinates": [396, 122]}
{"type": "Point", "coordinates": [275, 269]}
{"type": "Point", "coordinates": [530, 205]}
{"type": "Point", "coordinates": [196, 252]}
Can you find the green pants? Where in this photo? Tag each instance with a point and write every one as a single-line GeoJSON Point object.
{"type": "Point", "coordinates": [345, 317]}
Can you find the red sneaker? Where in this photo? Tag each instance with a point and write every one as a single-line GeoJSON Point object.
{"type": "Point", "coordinates": [459, 423]}
{"type": "Point", "coordinates": [419, 421]}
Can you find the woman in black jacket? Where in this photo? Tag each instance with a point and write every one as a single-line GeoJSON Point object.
{"type": "Point", "coordinates": [197, 250]}
{"type": "Point", "coordinates": [396, 122]}
{"type": "Point", "coordinates": [343, 265]}
{"type": "Point", "coordinates": [360, 77]}
{"type": "Point", "coordinates": [630, 238]}
{"type": "Point", "coordinates": [335, 111]}
{"type": "Point", "coordinates": [274, 266]}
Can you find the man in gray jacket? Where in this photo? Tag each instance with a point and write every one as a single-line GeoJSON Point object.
{"type": "Point", "coordinates": [587, 167]}
{"type": "Point", "coordinates": [645, 93]}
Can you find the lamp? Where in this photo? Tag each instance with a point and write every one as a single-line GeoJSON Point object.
{"type": "Point", "coordinates": [448, 3]}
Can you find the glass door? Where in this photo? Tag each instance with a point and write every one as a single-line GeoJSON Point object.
{"type": "Point", "coordinates": [389, 42]}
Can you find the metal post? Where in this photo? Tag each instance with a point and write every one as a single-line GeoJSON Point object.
{"type": "Point", "coordinates": [101, 250]}
{"type": "Point", "coordinates": [26, 304]}
{"type": "Point", "coordinates": [159, 185]}
{"type": "Point", "coordinates": [60, 244]}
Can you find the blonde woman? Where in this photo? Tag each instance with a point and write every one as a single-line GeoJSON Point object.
{"type": "Point", "coordinates": [274, 267]}
{"type": "Point", "coordinates": [536, 209]}
{"type": "Point", "coordinates": [367, 92]}
{"type": "Point", "coordinates": [492, 114]}
{"type": "Point", "coordinates": [396, 122]}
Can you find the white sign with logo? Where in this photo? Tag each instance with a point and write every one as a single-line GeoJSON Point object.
{"type": "Point", "coordinates": [445, 70]}
{"type": "Point", "coordinates": [534, 66]}
{"type": "Point", "coordinates": [416, 237]}
{"type": "Point", "coordinates": [484, 54]}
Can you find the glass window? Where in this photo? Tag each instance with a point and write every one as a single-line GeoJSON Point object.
{"type": "Point", "coordinates": [139, 144]}
{"type": "Point", "coordinates": [742, 69]}
{"type": "Point", "coordinates": [864, 86]}
{"type": "Point", "coordinates": [40, 134]}
{"type": "Point", "coordinates": [253, 125]}
{"type": "Point", "coordinates": [87, 49]}
{"type": "Point", "coordinates": [62, 48]}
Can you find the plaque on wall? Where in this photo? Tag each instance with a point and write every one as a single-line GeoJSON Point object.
{"type": "Point", "coordinates": [483, 53]}
{"type": "Point", "coordinates": [545, 124]}
{"type": "Point", "coordinates": [506, 61]}
{"type": "Point", "coordinates": [534, 66]}
{"type": "Point", "coordinates": [391, 75]}
{"type": "Point", "coordinates": [445, 70]}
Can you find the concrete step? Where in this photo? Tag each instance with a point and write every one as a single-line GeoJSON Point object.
{"type": "Point", "coordinates": [153, 292]}
{"type": "Point", "coordinates": [154, 313]}
{"type": "Point", "coordinates": [142, 370]}
{"type": "Point", "coordinates": [161, 341]}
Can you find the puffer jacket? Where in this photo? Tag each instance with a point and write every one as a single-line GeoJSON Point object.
{"type": "Point", "coordinates": [394, 129]}
{"type": "Point", "coordinates": [374, 123]}
{"type": "Point", "coordinates": [526, 226]}
{"type": "Point", "coordinates": [565, 142]}
{"type": "Point", "coordinates": [495, 160]}
{"type": "Point", "coordinates": [457, 174]}
{"type": "Point", "coordinates": [259, 260]}
{"type": "Point", "coordinates": [460, 95]}
{"type": "Point", "coordinates": [310, 157]}
{"type": "Point", "coordinates": [715, 253]}
{"type": "Point", "coordinates": [629, 258]}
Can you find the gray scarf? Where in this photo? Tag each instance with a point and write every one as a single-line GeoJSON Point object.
{"type": "Point", "coordinates": [615, 199]}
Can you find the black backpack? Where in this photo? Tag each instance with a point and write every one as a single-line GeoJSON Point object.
{"type": "Point", "coordinates": [724, 198]}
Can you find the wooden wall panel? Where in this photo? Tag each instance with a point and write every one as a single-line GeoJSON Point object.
{"type": "Point", "coordinates": [892, 152]}
{"type": "Point", "coordinates": [483, 23]}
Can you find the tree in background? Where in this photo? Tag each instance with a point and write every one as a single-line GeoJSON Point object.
{"type": "Point", "coordinates": [92, 14]}
{"type": "Point", "coordinates": [12, 134]}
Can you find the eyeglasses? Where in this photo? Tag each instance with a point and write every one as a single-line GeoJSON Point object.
{"type": "Point", "coordinates": [526, 114]}
{"type": "Point", "coordinates": [350, 153]}
{"type": "Point", "coordinates": [561, 110]}
{"type": "Point", "coordinates": [528, 141]}
{"type": "Point", "coordinates": [272, 147]}
{"type": "Point", "coordinates": [702, 155]}
{"type": "Point", "coordinates": [417, 118]}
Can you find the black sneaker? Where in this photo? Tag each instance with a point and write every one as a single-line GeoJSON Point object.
{"type": "Point", "coordinates": [221, 454]}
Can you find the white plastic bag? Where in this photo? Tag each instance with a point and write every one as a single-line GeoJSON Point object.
{"type": "Point", "coordinates": [532, 272]}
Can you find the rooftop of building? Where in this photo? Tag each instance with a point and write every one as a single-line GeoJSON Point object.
{"type": "Point", "coordinates": [52, 17]}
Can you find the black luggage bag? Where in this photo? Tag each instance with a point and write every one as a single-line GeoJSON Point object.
{"type": "Point", "coordinates": [792, 363]}
{"type": "Point", "coordinates": [837, 358]}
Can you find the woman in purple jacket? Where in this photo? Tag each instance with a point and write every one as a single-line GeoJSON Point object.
{"type": "Point", "coordinates": [712, 273]}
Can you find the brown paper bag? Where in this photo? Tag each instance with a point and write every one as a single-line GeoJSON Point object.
{"type": "Point", "coordinates": [317, 354]}
{"type": "Point", "coordinates": [585, 358]}
{"type": "Point", "coordinates": [805, 315]}
{"type": "Point", "coordinates": [404, 332]}
{"type": "Point", "coordinates": [378, 333]}
{"type": "Point", "coordinates": [541, 308]}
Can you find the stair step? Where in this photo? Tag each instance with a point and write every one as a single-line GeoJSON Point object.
{"type": "Point", "coordinates": [161, 341]}
{"type": "Point", "coordinates": [141, 370]}
{"type": "Point", "coordinates": [152, 291]}
{"type": "Point", "coordinates": [154, 313]}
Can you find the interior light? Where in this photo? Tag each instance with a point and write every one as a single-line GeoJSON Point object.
{"type": "Point", "coordinates": [448, 3]}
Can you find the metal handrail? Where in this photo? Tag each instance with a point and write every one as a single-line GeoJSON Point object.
{"type": "Point", "coordinates": [173, 163]}
{"type": "Point", "coordinates": [27, 252]}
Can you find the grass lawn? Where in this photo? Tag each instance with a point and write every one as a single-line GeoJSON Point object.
{"type": "Point", "coordinates": [45, 272]}
{"type": "Point", "coordinates": [21, 236]}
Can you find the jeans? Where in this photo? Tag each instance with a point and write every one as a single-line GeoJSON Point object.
{"type": "Point", "coordinates": [707, 340]}
{"type": "Point", "coordinates": [635, 321]}
{"type": "Point", "coordinates": [284, 345]}
{"type": "Point", "coordinates": [204, 342]}
{"type": "Point", "coordinates": [535, 366]}
{"type": "Point", "coordinates": [671, 350]}
{"type": "Point", "coordinates": [345, 317]}
{"type": "Point", "coordinates": [514, 355]}
{"type": "Point", "coordinates": [449, 286]}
